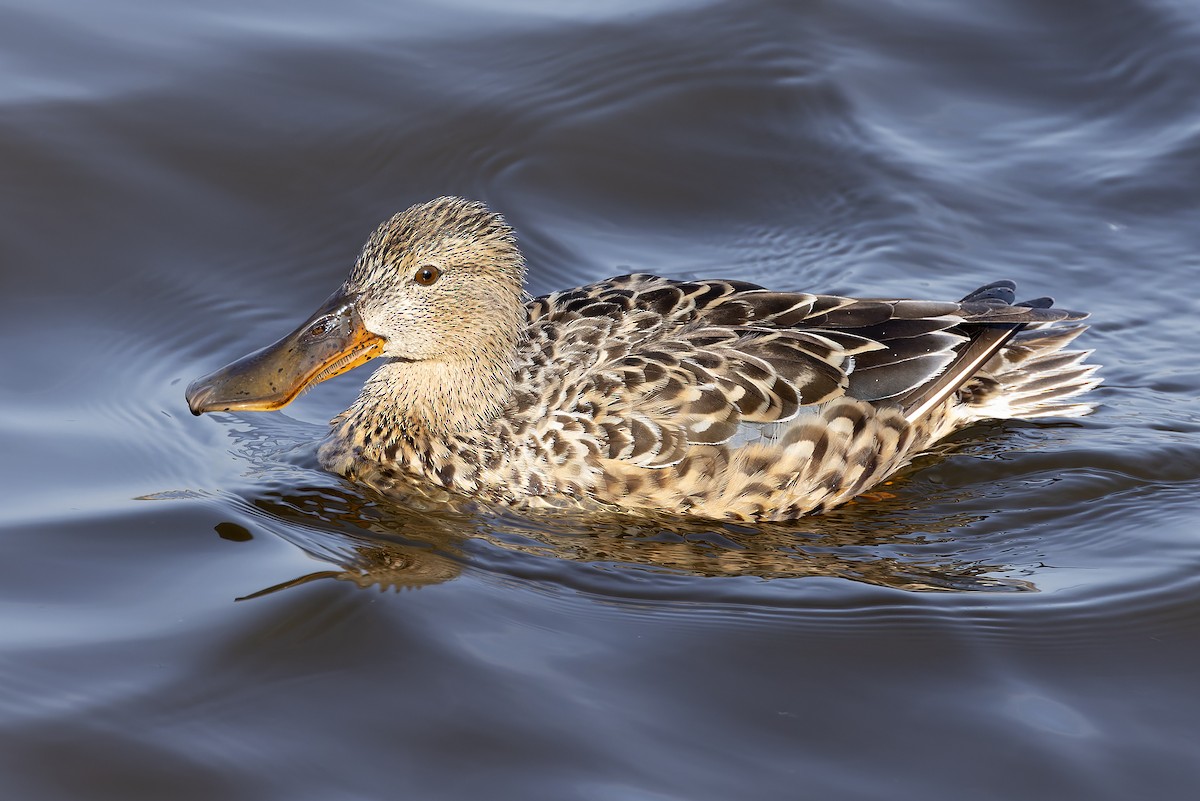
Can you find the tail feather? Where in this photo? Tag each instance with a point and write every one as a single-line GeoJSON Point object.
{"type": "Point", "coordinates": [1013, 365]}
{"type": "Point", "coordinates": [1032, 376]}
{"type": "Point", "coordinates": [1003, 291]}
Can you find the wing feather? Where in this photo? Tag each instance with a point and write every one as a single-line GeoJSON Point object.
{"type": "Point", "coordinates": [662, 365]}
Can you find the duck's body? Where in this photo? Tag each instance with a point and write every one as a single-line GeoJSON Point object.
{"type": "Point", "coordinates": [717, 399]}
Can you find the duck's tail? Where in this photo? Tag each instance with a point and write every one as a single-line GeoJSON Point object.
{"type": "Point", "coordinates": [1032, 376]}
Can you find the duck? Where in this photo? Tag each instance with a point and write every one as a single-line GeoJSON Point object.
{"type": "Point", "coordinates": [641, 394]}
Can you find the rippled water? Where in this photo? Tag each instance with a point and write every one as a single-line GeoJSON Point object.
{"type": "Point", "coordinates": [184, 182]}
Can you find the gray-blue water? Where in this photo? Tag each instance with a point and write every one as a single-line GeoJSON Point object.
{"type": "Point", "coordinates": [183, 182]}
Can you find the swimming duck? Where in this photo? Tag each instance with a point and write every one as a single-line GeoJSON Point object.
{"type": "Point", "coordinates": [709, 398]}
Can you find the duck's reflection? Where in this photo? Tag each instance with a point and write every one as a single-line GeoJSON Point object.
{"type": "Point", "coordinates": [377, 542]}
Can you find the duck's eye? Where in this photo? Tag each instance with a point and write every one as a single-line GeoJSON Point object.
{"type": "Point", "coordinates": [427, 275]}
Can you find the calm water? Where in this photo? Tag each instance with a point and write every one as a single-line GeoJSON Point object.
{"type": "Point", "coordinates": [183, 182]}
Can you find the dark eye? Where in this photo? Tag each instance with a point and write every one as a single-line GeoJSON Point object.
{"type": "Point", "coordinates": [427, 275]}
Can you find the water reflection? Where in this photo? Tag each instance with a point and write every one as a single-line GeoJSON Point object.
{"type": "Point", "coordinates": [375, 543]}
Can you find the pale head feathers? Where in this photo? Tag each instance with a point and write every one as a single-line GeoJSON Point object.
{"type": "Point", "coordinates": [453, 341]}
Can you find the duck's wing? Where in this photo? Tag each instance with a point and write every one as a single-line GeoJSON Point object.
{"type": "Point", "coordinates": [647, 366]}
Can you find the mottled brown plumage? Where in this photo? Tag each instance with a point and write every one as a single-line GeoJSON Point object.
{"type": "Point", "coordinates": [718, 399]}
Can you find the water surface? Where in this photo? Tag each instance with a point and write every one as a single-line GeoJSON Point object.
{"type": "Point", "coordinates": [1017, 618]}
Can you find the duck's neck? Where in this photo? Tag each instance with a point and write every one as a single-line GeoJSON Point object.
{"type": "Point", "coordinates": [434, 399]}
{"type": "Point", "coordinates": [420, 417]}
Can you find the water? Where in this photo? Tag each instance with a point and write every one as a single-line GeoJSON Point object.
{"type": "Point", "coordinates": [1016, 619]}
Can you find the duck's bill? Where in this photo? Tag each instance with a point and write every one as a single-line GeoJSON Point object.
{"type": "Point", "coordinates": [329, 343]}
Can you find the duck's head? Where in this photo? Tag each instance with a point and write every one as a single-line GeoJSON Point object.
{"type": "Point", "coordinates": [438, 283]}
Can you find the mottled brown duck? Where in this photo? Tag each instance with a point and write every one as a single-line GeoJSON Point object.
{"type": "Point", "coordinates": [709, 398]}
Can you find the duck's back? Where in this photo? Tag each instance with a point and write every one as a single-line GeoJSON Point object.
{"type": "Point", "coordinates": [724, 399]}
